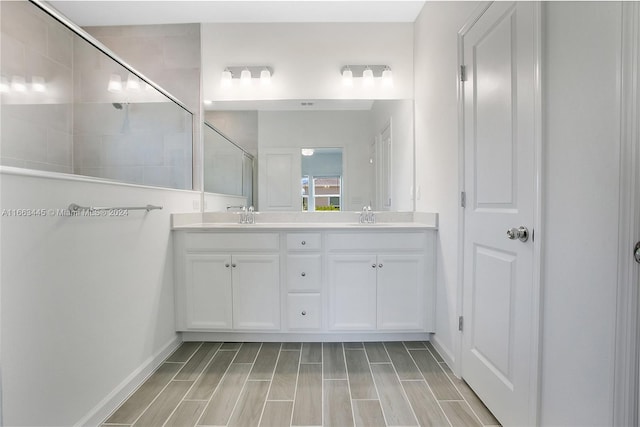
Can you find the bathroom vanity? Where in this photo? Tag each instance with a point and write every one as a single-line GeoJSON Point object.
{"type": "Point", "coordinates": [288, 279]}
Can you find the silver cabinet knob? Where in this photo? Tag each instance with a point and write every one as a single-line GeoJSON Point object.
{"type": "Point", "coordinates": [303, 274]}
{"type": "Point", "coordinates": [521, 233]}
{"type": "Point", "coordinates": [636, 252]}
{"type": "Point", "coordinates": [303, 243]}
{"type": "Point", "coordinates": [373, 266]}
{"type": "Point", "coordinates": [304, 313]}
{"type": "Point", "coordinates": [226, 265]}
{"type": "Point", "coordinates": [379, 265]}
{"type": "Point", "coordinates": [233, 265]}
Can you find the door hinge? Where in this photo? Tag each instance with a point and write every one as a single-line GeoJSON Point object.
{"type": "Point", "coordinates": [463, 73]}
{"type": "Point", "coordinates": [463, 199]}
{"type": "Point", "coordinates": [460, 323]}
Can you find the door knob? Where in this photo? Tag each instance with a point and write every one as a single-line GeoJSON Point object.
{"type": "Point", "coordinates": [521, 233]}
{"type": "Point", "coordinates": [636, 252]}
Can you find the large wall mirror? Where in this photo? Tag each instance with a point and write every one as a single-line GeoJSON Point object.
{"type": "Point", "coordinates": [318, 154]}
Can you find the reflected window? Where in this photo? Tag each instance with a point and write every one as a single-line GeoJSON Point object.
{"type": "Point", "coordinates": [321, 183]}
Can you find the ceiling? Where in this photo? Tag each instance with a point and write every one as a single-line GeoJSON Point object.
{"type": "Point", "coordinates": [146, 12]}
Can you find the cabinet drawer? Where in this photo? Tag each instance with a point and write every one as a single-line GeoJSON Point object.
{"type": "Point", "coordinates": [304, 311]}
{"type": "Point", "coordinates": [304, 272]}
{"type": "Point", "coordinates": [304, 241]}
{"type": "Point", "coordinates": [376, 241]}
{"type": "Point", "coordinates": [232, 241]}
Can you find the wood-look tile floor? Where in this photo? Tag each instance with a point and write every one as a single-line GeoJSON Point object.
{"type": "Point", "coordinates": [303, 384]}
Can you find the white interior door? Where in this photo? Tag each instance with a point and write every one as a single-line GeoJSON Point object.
{"type": "Point", "coordinates": [499, 111]}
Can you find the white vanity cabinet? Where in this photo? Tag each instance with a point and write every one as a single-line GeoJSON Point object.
{"type": "Point", "coordinates": [227, 281]}
{"type": "Point", "coordinates": [381, 281]}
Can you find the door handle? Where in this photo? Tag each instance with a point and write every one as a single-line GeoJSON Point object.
{"type": "Point", "coordinates": [521, 233]}
{"type": "Point", "coordinates": [636, 252]}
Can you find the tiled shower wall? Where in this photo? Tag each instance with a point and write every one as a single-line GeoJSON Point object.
{"type": "Point", "coordinates": [76, 125]}
{"type": "Point", "coordinates": [36, 128]}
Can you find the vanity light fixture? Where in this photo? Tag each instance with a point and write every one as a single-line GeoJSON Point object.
{"type": "Point", "coordinates": [245, 77]}
{"type": "Point", "coordinates": [265, 76]}
{"type": "Point", "coordinates": [367, 77]}
{"type": "Point", "coordinates": [307, 152]}
{"type": "Point", "coordinates": [115, 83]}
{"type": "Point", "coordinates": [133, 82]}
{"type": "Point", "coordinates": [18, 84]}
{"type": "Point", "coordinates": [225, 80]}
{"type": "Point", "coordinates": [4, 85]}
{"type": "Point", "coordinates": [347, 76]}
{"type": "Point", "coordinates": [368, 74]}
{"type": "Point", "coordinates": [38, 84]}
{"type": "Point", "coordinates": [246, 74]}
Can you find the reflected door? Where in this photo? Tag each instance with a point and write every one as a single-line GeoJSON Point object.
{"type": "Point", "coordinates": [497, 359]}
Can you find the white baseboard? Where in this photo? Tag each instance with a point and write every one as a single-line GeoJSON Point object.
{"type": "Point", "coordinates": [113, 400]}
{"type": "Point", "coordinates": [444, 352]}
{"type": "Point", "coordinates": [305, 337]}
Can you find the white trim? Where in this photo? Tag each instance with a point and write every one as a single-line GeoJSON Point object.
{"type": "Point", "coordinates": [130, 384]}
{"type": "Point", "coordinates": [305, 337]}
{"type": "Point", "coordinates": [626, 370]}
{"type": "Point", "coordinates": [456, 352]}
{"type": "Point", "coordinates": [536, 312]}
{"type": "Point", "coordinates": [33, 173]}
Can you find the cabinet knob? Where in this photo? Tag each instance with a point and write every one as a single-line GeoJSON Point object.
{"type": "Point", "coordinates": [303, 243]}
{"type": "Point", "coordinates": [303, 274]}
{"type": "Point", "coordinates": [380, 265]}
{"type": "Point", "coordinates": [373, 266]}
{"type": "Point", "coordinates": [233, 265]}
{"type": "Point", "coordinates": [226, 265]}
{"type": "Point", "coordinates": [304, 313]}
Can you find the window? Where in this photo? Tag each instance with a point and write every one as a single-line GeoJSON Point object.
{"type": "Point", "coordinates": [321, 193]}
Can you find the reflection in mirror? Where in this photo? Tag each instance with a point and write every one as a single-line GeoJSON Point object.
{"type": "Point", "coordinates": [321, 179]}
{"type": "Point", "coordinates": [375, 138]}
{"type": "Point", "coordinates": [228, 169]}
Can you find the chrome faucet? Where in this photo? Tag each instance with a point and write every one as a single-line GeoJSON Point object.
{"type": "Point", "coordinates": [367, 216]}
{"type": "Point", "coordinates": [247, 216]}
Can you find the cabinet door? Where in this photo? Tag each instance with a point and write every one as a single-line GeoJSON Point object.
{"type": "Point", "coordinates": [352, 292]}
{"type": "Point", "coordinates": [401, 304]}
{"type": "Point", "coordinates": [256, 291]}
{"type": "Point", "coordinates": [208, 291]}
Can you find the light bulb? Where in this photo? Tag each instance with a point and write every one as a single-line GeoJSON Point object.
{"type": "Point", "coordinates": [4, 85]}
{"type": "Point", "coordinates": [367, 77]}
{"type": "Point", "coordinates": [37, 84]}
{"type": "Point", "coordinates": [133, 82]}
{"type": "Point", "coordinates": [115, 83]}
{"type": "Point", "coordinates": [387, 77]}
{"type": "Point", "coordinates": [225, 80]}
{"type": "Point", "coordinates": [307, 151]}
{"type": "Point", "coordinates": [208, 102]}
{"type": "Point", "coordinates": [245, 76]}
{"type": "Point", "coordinates": [265, 77]}
{"type": "Point", "coordinates": [347, 77]}
{"type": "Point", "coordinates": [18, 84]}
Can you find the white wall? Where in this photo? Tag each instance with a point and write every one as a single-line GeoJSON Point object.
{"type": "Point", "coordinates": [581, 70]}
{"type": "Point", "coordinates": [241, 127]}
{"type": "Point", "coordinates": [307, 59]}
{"type": "Point", "coordinates": [86, 301]}
{"type": "Point", "coordinates": [437, 150]}
{"type": "Point", "coordinates": [400, 114]}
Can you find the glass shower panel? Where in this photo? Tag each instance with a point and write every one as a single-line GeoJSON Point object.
{"type": "Point", "coordinates": [69, 107]}
{"type": "Point", "coordinates": [223, 164]}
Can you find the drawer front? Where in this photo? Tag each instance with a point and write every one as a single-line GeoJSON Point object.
{"type": "Point", "coordinates": [376, 241]}
{"type": "Point", "coordinates": [232, 241]}
{"type": "Point", "coordinates": [304, 272]}
{"type": "Point", "coordinates": [304, 311]}
{"type": "Point", "coordinates": [304, 241]}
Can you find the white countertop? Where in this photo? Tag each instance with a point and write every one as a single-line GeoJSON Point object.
{"type": "Point", "coordinates": [304, 221]}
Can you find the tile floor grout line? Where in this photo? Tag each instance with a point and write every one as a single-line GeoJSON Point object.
{"type": "Point", "coordinates": [454, 385]}
{"type": "Point", "coordinates": [273, 374]}
{"type": "Point", "coordinates": [144, 382]}
{"type": "Point", "coordinates": [221, 379]}
{"type": "Point", "coordinates": [404, 393]}
{"type": "Point", "coordinates": [346, 373]}
{"type": "Point", "coordinates": [167, 385]}
{"type": "Point", "coordinates": [431, 391]}
{"type": "Point", "coordinates": [375, 386]}
{"type": "Point", "coordinates": [194, 383]}
{"type": "Point", "coordinates": [295, 390]}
